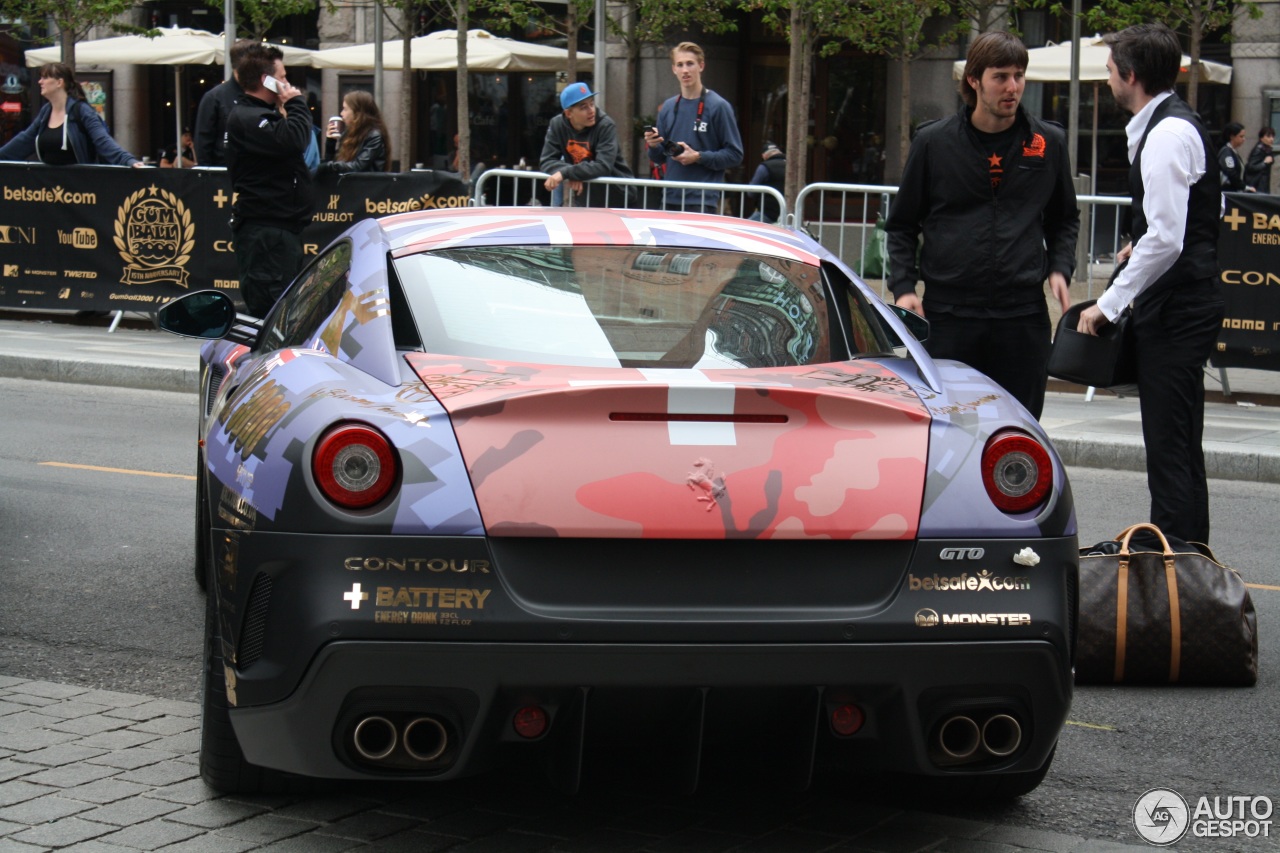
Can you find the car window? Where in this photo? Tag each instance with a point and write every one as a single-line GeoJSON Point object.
{"type": "Point", "coordinates": [868, 333]}
{"type": "Point", "coordinates": [313, 297]}
{"type": "Point", "coordinates": [618, 306]}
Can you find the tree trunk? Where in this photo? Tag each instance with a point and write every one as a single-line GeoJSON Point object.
{"type": "Point", "coordinates": [69, 47]}
{"type": "Point", "coordinates": [904, 118]}
{"type": "Point", "coordinates": [1193, 73]}
{"type": "Point", "coordinates": [464, 100]}
{"type": "Point", "coordinates": [627, 111]}
{"type": "Point", "coordinates": [571, 34]}
{"type": "Point", "coordinates": [406, 86]}
{"type": "Point", "coordinates": [797, 106]}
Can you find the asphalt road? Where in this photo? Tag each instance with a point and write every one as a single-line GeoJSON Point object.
{"type": "Point", "coordinates": [96, 589]}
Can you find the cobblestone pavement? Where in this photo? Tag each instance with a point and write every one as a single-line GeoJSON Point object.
{"type": "Point", "coordinates": [94, 771]}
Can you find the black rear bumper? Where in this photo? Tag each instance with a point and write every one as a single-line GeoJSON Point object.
{"type": "Point", "coordinates": [684, 699]}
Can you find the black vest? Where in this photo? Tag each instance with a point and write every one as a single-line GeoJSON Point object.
{"type": "Point", "coordinates": [1199, 258]}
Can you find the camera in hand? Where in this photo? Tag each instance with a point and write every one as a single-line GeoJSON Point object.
{"type": "Point", "coordinates": [672, 149]}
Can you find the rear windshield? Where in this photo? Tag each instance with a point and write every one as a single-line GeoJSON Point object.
{"type": "Point", "coordinates": [612, 306]}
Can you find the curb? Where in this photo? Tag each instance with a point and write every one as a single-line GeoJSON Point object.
{"type": "Point", "coordinates": [138, 376]}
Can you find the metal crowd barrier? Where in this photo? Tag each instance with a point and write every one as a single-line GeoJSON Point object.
{"type": "Point", "coordinates": [522, 187]}
{"type": "Point", "coordinates": [844, 217]}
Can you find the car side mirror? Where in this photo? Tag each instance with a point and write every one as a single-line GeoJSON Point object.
{"type": "Point", "coordinates": [916, 325]}
{"type": "Point", "coordinates": [207, 314]}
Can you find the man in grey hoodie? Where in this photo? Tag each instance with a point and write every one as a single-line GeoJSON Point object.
{"type": "Point", "coordinates": [582, 144]}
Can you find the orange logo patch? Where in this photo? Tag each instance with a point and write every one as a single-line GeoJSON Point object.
{"type": "Point", "coordinates": [577, 151]}
{"type": "Point", "coordinates": [1036, 148]}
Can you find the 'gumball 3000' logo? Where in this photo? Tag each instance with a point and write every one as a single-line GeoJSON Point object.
{"type": "Point", "coordinates": [155, 236]}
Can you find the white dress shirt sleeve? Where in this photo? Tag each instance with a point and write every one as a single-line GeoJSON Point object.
{"type": "Point", "coordinates": [1172, 160]}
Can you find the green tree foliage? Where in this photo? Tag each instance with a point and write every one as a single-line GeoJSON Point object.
{"type": "Point", "coordinates": [255, 17]}
{"type": "Point", "coordinates": [1192, 18]}
{"type": "Point", "coordinates": [73, 18]}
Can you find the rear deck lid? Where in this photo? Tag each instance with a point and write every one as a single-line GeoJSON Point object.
{"type": "Point", "coordinates": [821, 451]}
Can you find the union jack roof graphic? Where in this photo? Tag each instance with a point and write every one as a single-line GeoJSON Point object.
{"type": "Point", "coordinates": [414, 232]}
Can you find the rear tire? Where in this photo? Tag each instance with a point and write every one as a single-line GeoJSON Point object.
{"type": "Point", "coordinates": [204, 535]}
{"type": "Point", "coordinates": [222, 762]}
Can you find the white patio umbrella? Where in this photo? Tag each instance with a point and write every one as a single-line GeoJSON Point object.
{"type": "Point", "coordinates": [439, 52]}
{"type": "Point", "coordinates": [176, 46]}
{"type": "Point", "coordinates": [1052, 64]}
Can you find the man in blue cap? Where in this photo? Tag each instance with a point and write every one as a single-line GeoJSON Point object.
{"type": "Point", "coordinates": [582, 144]}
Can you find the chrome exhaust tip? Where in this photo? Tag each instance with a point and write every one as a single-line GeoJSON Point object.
{"type": "Point", "coordinates": [374, 738]}
{"type": "Point", "coordinates": [1001, 735]}
{"type": "Point", "coordinates": [959, 736]}
{"type": "Point", "coordinates": [425, 739]}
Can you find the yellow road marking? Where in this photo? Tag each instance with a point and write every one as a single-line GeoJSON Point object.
{"type": "Point", "coordinates": [1091, 726]}
{"type": "Point", "coordinates": [1263, 586]}
{"type": "Point", "coordinates": [118, 470]}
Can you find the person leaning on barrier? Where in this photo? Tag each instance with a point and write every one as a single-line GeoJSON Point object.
{"type": "Point", "coordinates": [1171, 274]}
{"type": "Point", "coordinates": [1257, 172]}
{"type": "Point", "coordinates": [990, 189]}
{"type": "Point", "coordinates": [772, 172]}
{"type": "Point", "coordinates": [215, 107]}
{"type": "Point", "coordinates": [362, 145]}
{"type": "Point", "coordinates": [269, 177]}
{"type": "Point", "coordinates": [696, 138]}
{"type": "Point", "coordinates": [582, 144]}
{"type": "Point", "coordinates": [66, 130]}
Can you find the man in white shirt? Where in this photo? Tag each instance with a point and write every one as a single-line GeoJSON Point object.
{"type": "Point", "coordinates": [1171, 272]}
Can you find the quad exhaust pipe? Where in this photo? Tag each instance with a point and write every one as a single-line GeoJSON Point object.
{"type": "Point", "coordinates": [964, 738]}
{"type": "Point", "coordinates": [377, 739]}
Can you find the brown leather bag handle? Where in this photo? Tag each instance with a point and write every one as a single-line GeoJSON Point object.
{"type": "Point", "coordinates": [1122, 601]}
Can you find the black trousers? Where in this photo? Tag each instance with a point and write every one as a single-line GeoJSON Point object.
{"type": "Point", "coordinates": [1013, 351]}
{"type": "Point", "coordinates": [267, 259]}
{"type": "Point", "coordinates": [1175, 333]}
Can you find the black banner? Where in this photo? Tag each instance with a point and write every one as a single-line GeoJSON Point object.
{"type": "Point", "coordinates": [1249, 256]}
{"type": "Point", "coordinates": [100, 238]}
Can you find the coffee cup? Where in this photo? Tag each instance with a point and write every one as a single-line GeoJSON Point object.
{"type": "Point", "coordinates": [336, 127]}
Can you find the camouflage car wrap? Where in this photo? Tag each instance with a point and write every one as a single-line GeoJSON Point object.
{"type": "Point", "coordinates": [819, 534]}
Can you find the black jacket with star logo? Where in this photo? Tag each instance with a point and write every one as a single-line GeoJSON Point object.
{"type": "Point", "coordinates": [983, 248]}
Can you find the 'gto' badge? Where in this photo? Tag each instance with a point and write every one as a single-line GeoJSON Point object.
{"type": "Point", "coordinates": [961, 553]}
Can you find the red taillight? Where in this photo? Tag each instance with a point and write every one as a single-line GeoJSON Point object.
{"type": "Point", "coordinates": [530, 722]}
{"type": "Point", "coordinates": [1016, 471]}
{"type": "Point", "coordinates": [847, 719]}
{"type": "Point", "coordinates": [354, 466]}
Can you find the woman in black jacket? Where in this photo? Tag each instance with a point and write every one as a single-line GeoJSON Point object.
{"type": "Point", "coordinates": [363, 146]}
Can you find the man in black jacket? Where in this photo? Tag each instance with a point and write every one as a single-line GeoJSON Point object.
{"type": "Point", "coordinates": [1230, 163]}
{"type": "Point", "coordinates": [273, 197]}
{"type": "Point", "coordinates": [1257, 172]}
{"type": "Point", "coordinates": [989, 188]}
{"type": "Point", "coordinates": [1170, 274]}
{"type": "Point", "coordinates": [215, 107]}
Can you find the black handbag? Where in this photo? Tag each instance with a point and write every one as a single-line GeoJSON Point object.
{"type": "Point", "coordinates": [1163, 616]}
{"type": "Point", "coordinates": [1104, 360]}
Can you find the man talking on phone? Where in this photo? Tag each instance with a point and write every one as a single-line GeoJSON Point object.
{"type": "Point", "coordinates": [267, 136]}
